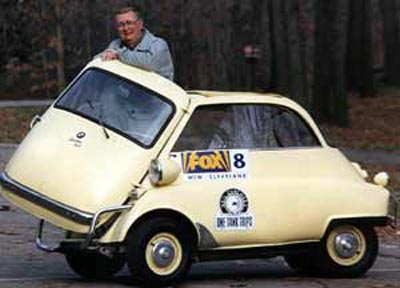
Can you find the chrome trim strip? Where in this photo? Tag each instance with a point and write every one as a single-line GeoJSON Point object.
{"type": "Point", "coordinates": [43, 201]}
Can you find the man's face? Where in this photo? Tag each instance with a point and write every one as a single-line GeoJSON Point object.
{"type": "Point", "coordinates": [129, 28]}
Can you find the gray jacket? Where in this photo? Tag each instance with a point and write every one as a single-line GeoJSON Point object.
{"type": "Point", "coordinates": [152, 53]}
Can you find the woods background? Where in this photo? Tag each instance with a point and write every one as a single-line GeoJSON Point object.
{"type": "Point", "coordinates": [314, 51]}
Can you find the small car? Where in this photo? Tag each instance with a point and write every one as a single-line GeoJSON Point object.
{"type": "Point", "coordinates": [137, 170]}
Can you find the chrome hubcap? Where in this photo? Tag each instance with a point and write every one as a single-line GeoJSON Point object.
{"type": "Point", "coordinates": [346, 245]}
{"type": "Point", "coordinates": [163, 254]}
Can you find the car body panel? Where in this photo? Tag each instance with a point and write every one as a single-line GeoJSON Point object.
{"type": "Point", "coordinates": [289, 203]}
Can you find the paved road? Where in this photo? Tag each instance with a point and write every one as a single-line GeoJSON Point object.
{"type": "Point", "coordinates": [22, 265]}
{"type": "Point", "coordinates": [377, 157]}
{"type": "Point", "coordinates": [25, 103]}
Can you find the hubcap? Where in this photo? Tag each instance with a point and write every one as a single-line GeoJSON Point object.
{"type": "Point", "coordinates": [163, 254]}
{"type": "Point", "coordinates": [346, 245]}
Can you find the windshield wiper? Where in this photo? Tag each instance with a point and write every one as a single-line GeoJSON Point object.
{"type": "Point", "coordinates": [99, 118]}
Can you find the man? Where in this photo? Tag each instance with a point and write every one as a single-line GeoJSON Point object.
{"type": "Point", "coordinates": [137, 46]}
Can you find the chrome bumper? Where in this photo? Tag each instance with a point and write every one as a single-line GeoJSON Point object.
{"type": "Point", "coordinates": [36, 198]}
{"type": "Point", "coordinates": [65, 211]}
{"type": "Point", "coordinates": [86, 243]}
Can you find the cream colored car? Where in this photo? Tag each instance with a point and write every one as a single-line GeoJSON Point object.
{"type": "Point", "coordinates": [138, 171]}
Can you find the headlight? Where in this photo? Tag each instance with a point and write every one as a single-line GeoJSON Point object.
{"type": "Point", "coordinates": [155, 171]}
{"type": "Point", "coordinates": [163, 171]}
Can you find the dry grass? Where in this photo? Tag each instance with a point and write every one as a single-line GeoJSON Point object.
{"type": "Point", "coordinates": [14, 122]}
{"type": "Point", "coordinates": [374, 124]}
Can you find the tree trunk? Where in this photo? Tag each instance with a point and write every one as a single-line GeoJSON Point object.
{"type": "Point", "coordinates": [359, 61]}
{"type": "Point", "coordinates": [280, 46]}
{"type": "Point", "coordinates": [60, 44]}
{"type": "Point", "coordinates": [390, 10]}
{"type": "Point", "coordinates": [340, 107]}
{"type": "Point", "coordinates": [296, 45]}
{"type": "Point", "coordinates": [329, 94]}
{"type": "Point", "coordinates": [266, 61]}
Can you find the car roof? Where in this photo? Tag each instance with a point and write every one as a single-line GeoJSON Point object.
{"type": "Point", "coordinates": [209, 93]}
{"type": "Point", "coordinates": [201, 97]}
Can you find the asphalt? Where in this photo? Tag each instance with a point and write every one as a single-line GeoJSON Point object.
{"type": "Point", "coordinates": [377, 157]}
{"type": "Point", "coordinates": [24, 103]}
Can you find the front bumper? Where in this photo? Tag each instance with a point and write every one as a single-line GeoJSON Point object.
{"type": "Point", "coordinates": [60, 209]}
{"type": "Point", "coordinates": [40, 200]}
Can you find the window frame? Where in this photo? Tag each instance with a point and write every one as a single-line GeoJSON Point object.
{"type": "Point", "coordinates": [279, 106]}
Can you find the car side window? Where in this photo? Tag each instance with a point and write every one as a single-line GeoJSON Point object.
{"type": "Point", "coordinates": [244, 126]}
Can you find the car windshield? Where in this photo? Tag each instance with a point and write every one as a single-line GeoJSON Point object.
{"type": "Point", "coordinates": [118, 104]}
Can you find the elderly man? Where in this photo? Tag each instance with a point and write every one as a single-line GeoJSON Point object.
{"type": "Point", "coordinates": [137, 46]}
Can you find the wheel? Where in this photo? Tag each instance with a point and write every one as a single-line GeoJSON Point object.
{"type": "Point", "coordinates": [159, 251]}
{"type": "Point", "coordinates": [93, 264]}
{"type": "Point", "coordinates": [302, 263]}
{"type": "Point", "coordinates": [347, 251]}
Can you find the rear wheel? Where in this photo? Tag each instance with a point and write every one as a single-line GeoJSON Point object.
{"type": "Point", "coordinates": [159, 251]}
{"type": "Point", "coordinates": [94, 265]}
{"type": "Point", "coordinates": [347, 251]}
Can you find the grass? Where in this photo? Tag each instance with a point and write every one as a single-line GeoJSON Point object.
{"type": "Point", "coordinates": [374, 124]}
{"type": "Point", "coordinates": [14, 122]}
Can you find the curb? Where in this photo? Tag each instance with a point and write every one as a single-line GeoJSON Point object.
{"type": "Point", "coordinates": [8, 145]}
{"type": "Point", "coordinates": [24, 103]}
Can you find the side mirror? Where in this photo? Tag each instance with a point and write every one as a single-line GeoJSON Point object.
{"type": "Point", "coordinates": [35, 120]}
{"type": "Point", "coordinates": [163, 171]}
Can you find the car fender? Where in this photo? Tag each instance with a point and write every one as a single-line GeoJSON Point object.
{"type": "Point", "coordinates": [152, 203]}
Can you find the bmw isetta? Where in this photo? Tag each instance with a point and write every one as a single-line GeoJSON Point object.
{"type": "Point", "coordinates": [136, 170]}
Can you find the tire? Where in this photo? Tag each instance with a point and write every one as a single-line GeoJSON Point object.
{"type": "Point", "coordinates": [93, 265]}
{"type": "Point", "coordinates": [145, 245]}
{"type": "Point", "coordinates": [347, 251]}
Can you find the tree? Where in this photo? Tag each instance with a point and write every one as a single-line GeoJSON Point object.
{"type": "Point", "coordinates": [359, 53]}
{"type": "Point", "coordinates": [391, 21]}
{"type": "Point", "coordinates": [330, 94]}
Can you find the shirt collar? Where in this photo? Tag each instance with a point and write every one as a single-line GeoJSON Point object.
{"type": "Point", "coordinates": [144, 43]}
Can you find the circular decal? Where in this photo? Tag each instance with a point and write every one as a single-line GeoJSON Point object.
{"type": "Point", "coordinates": [81, 135]}
{"type": "Point", "coordinates": [233, 201]}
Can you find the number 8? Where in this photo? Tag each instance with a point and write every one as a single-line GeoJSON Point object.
{"type": "Point", "coordinates": [239, 162]}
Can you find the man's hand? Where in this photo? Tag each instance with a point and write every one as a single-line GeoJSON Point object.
{"type": "Point", "coordinates": [109, 54]}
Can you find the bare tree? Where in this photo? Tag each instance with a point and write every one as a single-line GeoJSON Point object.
{"type": "Point", "coordinates": [391, 20]}
{"type": "Point", "coordinates": [359, 53]}
{"type": "Point", "coordinates": [330, 93]}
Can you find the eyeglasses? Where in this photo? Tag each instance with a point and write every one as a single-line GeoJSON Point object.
{"type": "Point", "coordinates": [128, 23]}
